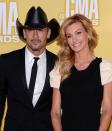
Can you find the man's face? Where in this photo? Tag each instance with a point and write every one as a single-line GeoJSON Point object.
{"type": "Point", "coordinates": [36, 39]}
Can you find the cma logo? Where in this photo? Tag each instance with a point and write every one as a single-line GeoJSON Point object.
{"type": "Point", "coordinates": [89, 8]}
{"type": "Point", "coordinates": [8, 16]}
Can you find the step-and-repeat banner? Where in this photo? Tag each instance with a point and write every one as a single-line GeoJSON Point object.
{"type": "Point", "coordinates": [99, 11]}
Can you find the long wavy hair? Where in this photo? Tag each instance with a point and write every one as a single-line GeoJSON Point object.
{"type": "Point", "coordinates": [66, 54]}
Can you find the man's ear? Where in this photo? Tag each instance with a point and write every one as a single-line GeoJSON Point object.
{"type": "Point", "coordinates": [49, 33]}
{"type": "Point", "coordinates": [24, 33]}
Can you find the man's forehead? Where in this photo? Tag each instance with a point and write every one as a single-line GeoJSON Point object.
{"type": "Point", "coordinates": [37, 28]}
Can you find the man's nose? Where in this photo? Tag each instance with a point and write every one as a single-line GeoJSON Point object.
{"type": "Point", "coordinates": [36, 33]}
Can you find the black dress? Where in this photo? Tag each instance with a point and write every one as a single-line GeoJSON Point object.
{"type": "Point", "coordinates": [81, 96]}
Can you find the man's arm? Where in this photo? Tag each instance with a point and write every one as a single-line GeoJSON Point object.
{"type": "Point", "coordinates": [2, 90]}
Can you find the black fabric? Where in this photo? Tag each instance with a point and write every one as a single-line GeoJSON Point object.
{"type": "Point", "coordinates": [81, 97]}
{"type": "Point", "coordinates": [36, 18]}
{"type": "Point", "coordinates": [21, 115]}
{"type": "Point", "coordinates": [33, 76]}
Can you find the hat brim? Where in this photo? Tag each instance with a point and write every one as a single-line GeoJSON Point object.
{"type": "Point", "coordinates": [52, 24]}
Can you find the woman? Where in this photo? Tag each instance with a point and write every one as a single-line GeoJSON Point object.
{"type": "Point", "coordinates": [82, 82]}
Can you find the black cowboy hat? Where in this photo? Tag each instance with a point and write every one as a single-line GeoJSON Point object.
{"type": "Point", "coordinates": [37, 18]}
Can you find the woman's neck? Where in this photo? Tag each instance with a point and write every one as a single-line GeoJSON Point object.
{"type": "Point", "coordinates": [82, 60]}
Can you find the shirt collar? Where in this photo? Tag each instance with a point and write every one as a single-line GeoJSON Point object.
{"type": "Point", "coordinates": [29, 56]}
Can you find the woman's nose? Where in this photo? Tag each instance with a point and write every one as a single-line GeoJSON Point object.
{"type": "Point", "coordinates": [74, 38]}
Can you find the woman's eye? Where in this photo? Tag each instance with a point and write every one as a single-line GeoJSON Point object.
{"type": "Point", "coordinates": [68, 36]}
{"type": "Point", "coordinates": [79, 32]}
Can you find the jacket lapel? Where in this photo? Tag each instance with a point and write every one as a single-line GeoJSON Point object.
{"type": "Point", "coordinates": [46, 85]}
{"type": "Point", "coordinates": [22, 73]}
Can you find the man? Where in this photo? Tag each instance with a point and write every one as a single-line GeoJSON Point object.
{"type": "Point", "coordinates": [29, 98]}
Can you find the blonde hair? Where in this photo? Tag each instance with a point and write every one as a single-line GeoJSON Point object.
{"type": "Point", "coordinates": [66, 54]}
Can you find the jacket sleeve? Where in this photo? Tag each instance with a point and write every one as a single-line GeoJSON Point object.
{"type": "Point", "coordinates": [2, 89]}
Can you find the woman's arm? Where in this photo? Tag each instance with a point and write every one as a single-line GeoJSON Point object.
{"type": "Point", "coordinates": [56, 110]}
{"type": "Point", "coordinates": [106, 116]}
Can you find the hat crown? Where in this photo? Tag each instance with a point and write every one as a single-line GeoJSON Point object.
{"type": "Point", "coordinates": [36, 18]}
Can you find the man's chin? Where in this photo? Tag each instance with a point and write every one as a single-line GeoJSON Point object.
{"type": "Point", "coordinates": [35, 49]}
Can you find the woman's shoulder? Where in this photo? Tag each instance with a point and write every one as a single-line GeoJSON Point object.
{"type": "Point", "coordinates": [106, 71]}
{"type": "Point", "coordinates": [106, 64]}
{"type": "Point", "coordinates": [55, 77]}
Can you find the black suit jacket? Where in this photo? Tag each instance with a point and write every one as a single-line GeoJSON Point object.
{"type": "Point", "coordinates": [21, 115]}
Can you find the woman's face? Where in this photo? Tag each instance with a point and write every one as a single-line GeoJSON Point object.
{"type": "Point", "coordinates": [77, 37]}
